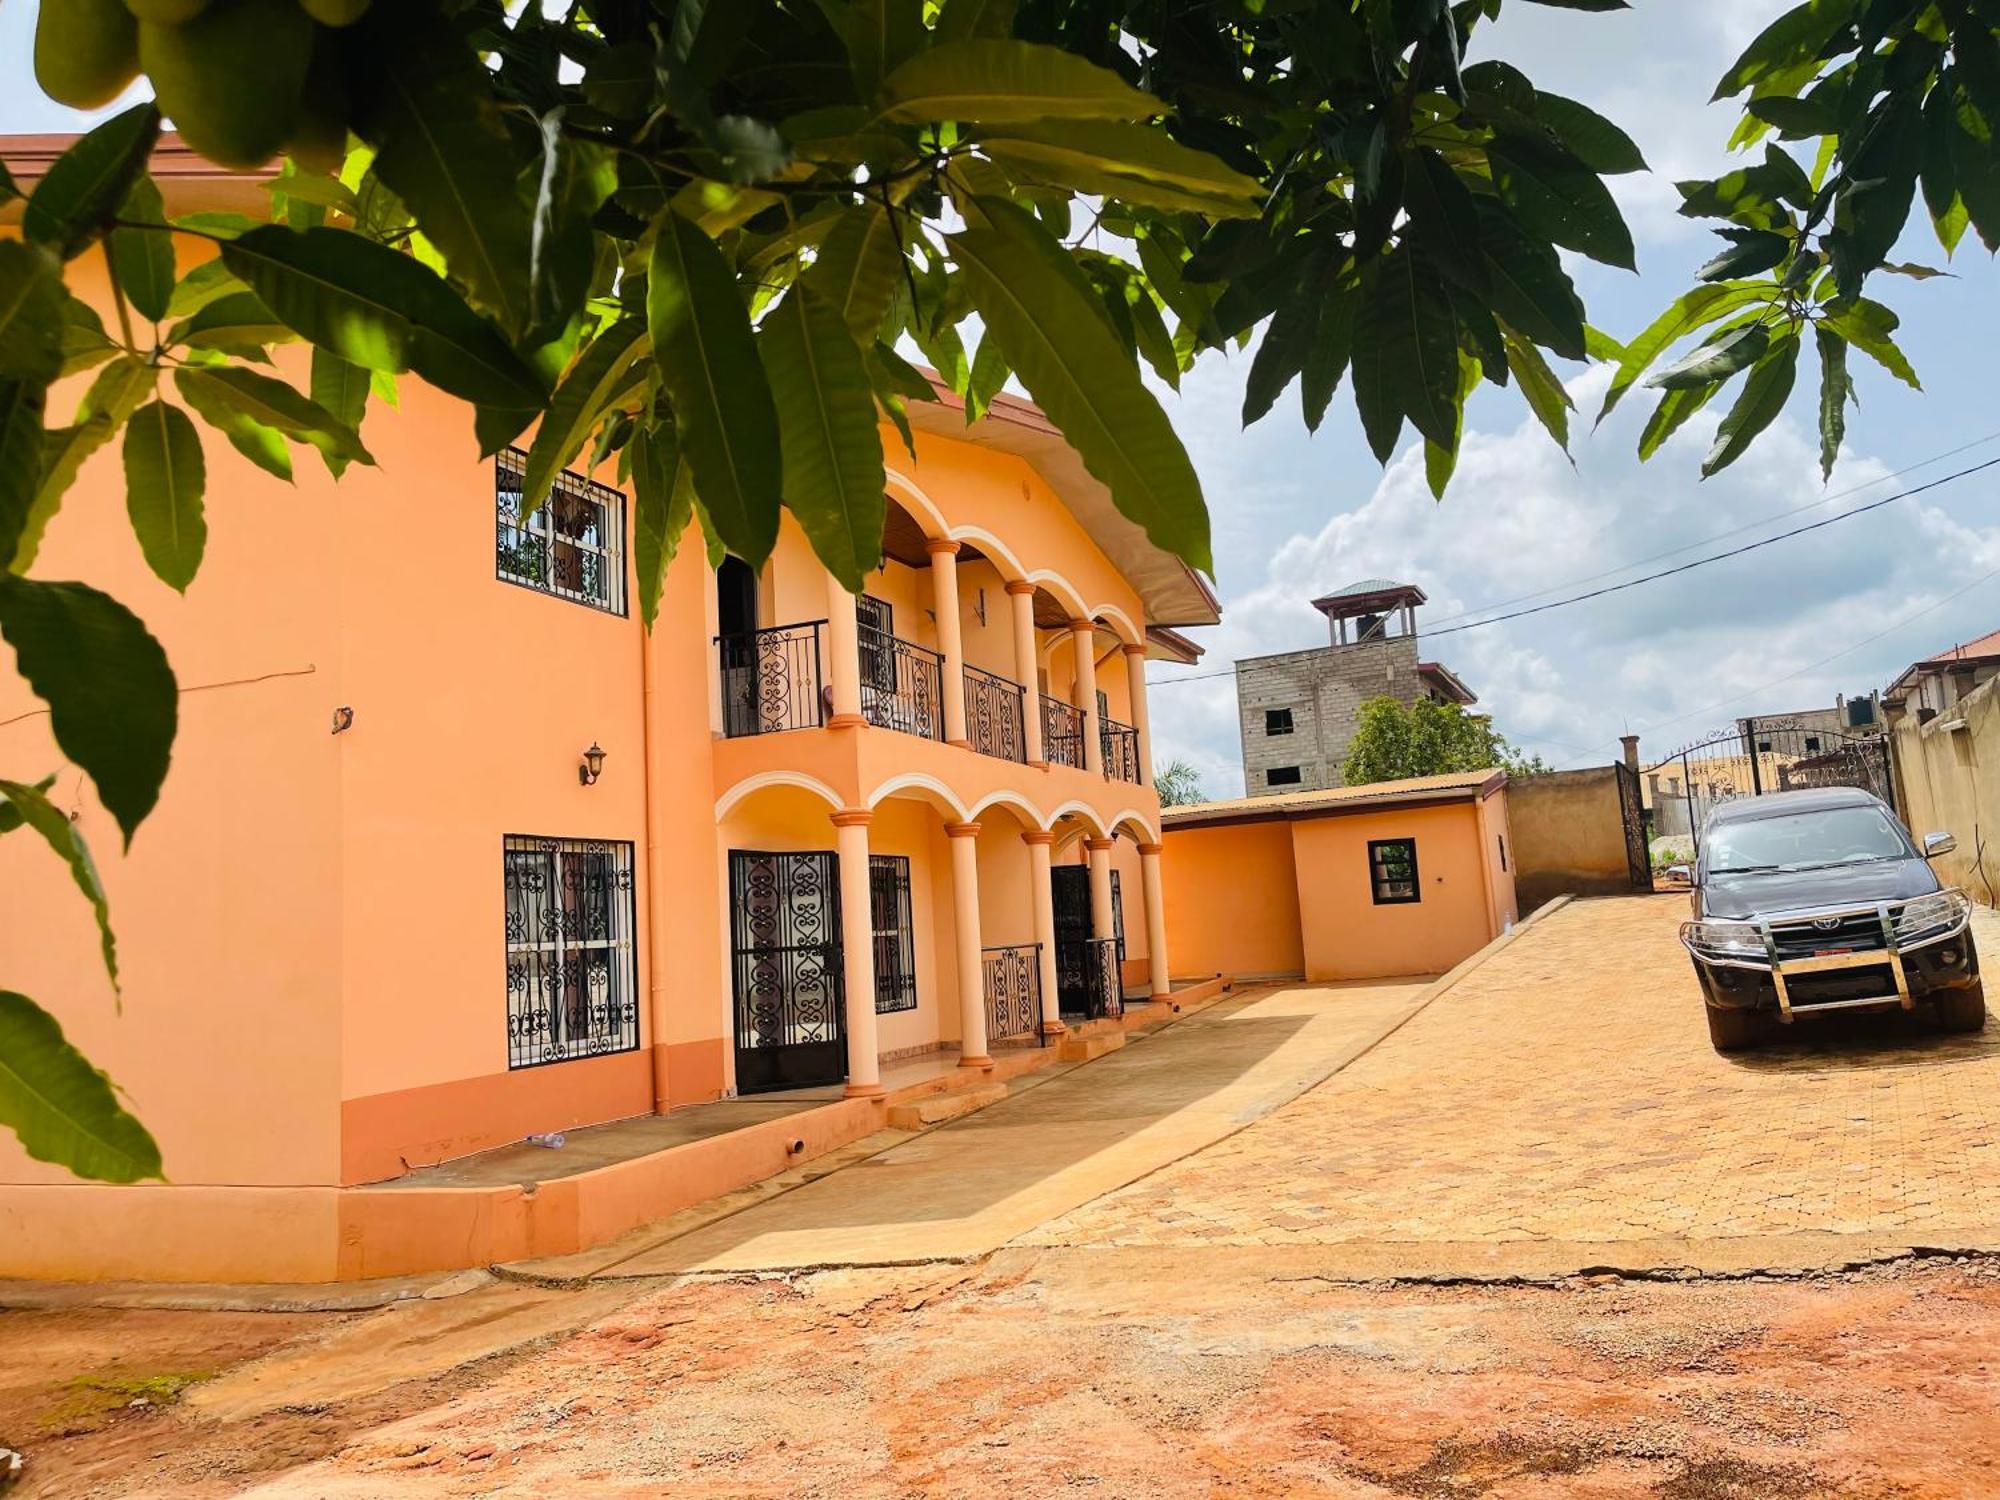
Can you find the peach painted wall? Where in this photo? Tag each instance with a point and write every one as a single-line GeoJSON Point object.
{"type": "Point", "coordinates": [1232, 901]}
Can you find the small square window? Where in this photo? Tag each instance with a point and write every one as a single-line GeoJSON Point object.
{"type": "Point", "coordinates": [1392, 871]}
{"type": "Point", "coordinates": [1812, 743]}
{"type": "Point", "coordinates": [573, 546]}
{"type": "Point", "coordinates": [1277, 721]}
{"type": "Point", "coordinates": [1764, 747]}
{"type": "Point", "coordinates": [1283, 776]}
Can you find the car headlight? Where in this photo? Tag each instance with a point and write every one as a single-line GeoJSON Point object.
{"type": "Point", "coordinates": [1932, 916]}
{"type": "Point", "coordinates": [1723, 939]}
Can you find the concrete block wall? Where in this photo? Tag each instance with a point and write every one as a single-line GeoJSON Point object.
{"type": "Point", "coordinates": [1324, 688]}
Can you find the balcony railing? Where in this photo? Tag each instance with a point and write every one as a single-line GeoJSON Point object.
{"type": "Point", "coordinates": [1120, 743]}
{"type": "Point", "coordinates": [771, 680]}
{"type": "Point", "coordinates": [1013, 991]}
{"type": "Point", "coordinates": [1088, 971]}
{"type": "Point", "coordinates": [995, 715]}
{"type": "Point", "coordinates": [1062, 733]}
{"type": "Point", "coordinates": [902, 685]}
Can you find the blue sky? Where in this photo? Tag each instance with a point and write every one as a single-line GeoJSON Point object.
{"type": "Point", "coordinates": [1297, 514]}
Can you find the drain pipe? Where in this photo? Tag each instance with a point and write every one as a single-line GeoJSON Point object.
{"type": "Point", "coordinates": [656, 886]}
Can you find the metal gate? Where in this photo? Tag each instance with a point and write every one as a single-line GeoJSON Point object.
{"type": "Point", "coordinates": [1759, 756]}
{"type": "Point", "coordinates": [1638, 843]}
{"type": "Point", "coordinates": [1080, 967]}
{"type": "Point", "coordinates": [785, 935]}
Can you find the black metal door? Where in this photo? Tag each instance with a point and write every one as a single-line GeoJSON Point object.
{"type": "Point", "coordinates": [785, 932]}
{"type": "Point", "coordinates": [1070, 891]}
{"type": "Point", "coordinates": [1638, 846]}
{"type": "Point", "coordinates": [1761, 756]}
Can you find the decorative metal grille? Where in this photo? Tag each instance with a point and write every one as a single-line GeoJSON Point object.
{"type": "Point", "coordinates": [1062, 733]}
{"type": "Point", "coordinates": [1392, 871]}
{"type": "Point", "coordinates": [785, 929]}
{"type": "Point", "coordinates": [771, 680]}
{"type": "Point", "coordinates": [572, 547]}
{"type": "Point", "coordinates": [1013, 983]}
{"type": "Point", "coordinates": [572, 989]}
{"type": "Point", "coordinates": [894, 933]}
{"type": "Point", "coordinates": [1098, 977]}
{"type": "Point", "coordinates": [902, 684]}
{"type": "Point", "coordinates": [1120, 743]}
{"type": "Point", "coordinates": [995, 711]}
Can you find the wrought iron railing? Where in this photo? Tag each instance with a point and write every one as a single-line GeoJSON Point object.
{"type": "Point", "coordinates": [1120, 743]}
{"type": "Point", "coordinates": [995, 715]}
{"type": "Point", "coordinates": [1089, 968]}
{"type": "Point", "coordinates": [902, 685]}
{"type": "Point", "coordinates": [771, 680]}
{"type": "Point", "coordinates": [1062, 733]}
{"type": "Point", "coordinates": [1013, 991]}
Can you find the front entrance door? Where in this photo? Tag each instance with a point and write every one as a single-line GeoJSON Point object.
{"type": "Point", "coordinates": [1070, 895]}
{"type": "Point", "coordinates": [785, 935]}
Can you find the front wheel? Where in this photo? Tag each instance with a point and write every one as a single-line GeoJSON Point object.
{"type": "Point", "coordinates": [1962, 1010]}
{"type": "Point", "coordinates": [1733, 1030]}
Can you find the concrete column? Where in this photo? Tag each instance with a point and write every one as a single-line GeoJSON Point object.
{"type": "Point", "coordinates": [857, 951]}
{"type": "Point", "coordinates": [843, 657]}
{"type": "Point", "coordinates": [1156, 919]}
{"type": "Point", "coordinates": [1043, 893]}
{"type": "Point", "coordinates": [1631, 744]}
{"type": "Point", "coordinates": [944, 599]}
{"type": "Point", "coordinates": [971, 965]}
{"type": "Point", "coordinates": [1083, 639]}
{"type": "Point", "coordinates": [1142, 719]}
{"type": "Point", "coordinates": [1021, 599]}
{"type": "Point", "coordinates": [1101, 924]}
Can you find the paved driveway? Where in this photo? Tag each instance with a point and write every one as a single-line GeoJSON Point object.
{"type": "Point", "coordinates": [1566, 1092]}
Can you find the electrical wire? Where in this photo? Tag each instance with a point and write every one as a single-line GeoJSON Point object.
{"type": "Point", "coordinates": [199, 687]}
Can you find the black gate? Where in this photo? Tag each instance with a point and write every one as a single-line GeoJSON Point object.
{"type": "Point", "coordinates": [1080, 968]}
{"type": "Point", "coordinates": [1638, 846]}
{"type": "Point", "coordinates": [785, 933]}
{"type": "Point", "coordinates": [1759, 756]}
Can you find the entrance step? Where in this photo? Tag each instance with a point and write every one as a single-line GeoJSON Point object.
{"type": "Point", "coordinates": [935, 1109]}
{"type": "Point", "coordinates": [1084, 1046]}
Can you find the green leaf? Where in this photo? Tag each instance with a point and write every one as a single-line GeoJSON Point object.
{"type": "Point", "coordinates": [276, 405]}
{"type": "Point", "coordinates": [879, 34]}
{"type": "Point", "coordinates": [600, 376]}
{"type": "Point", "coordinates": [142, 260]}
{"type": "Point", "coordinates": [235, 321]}
{"type": "Point", "coordinates": [974, 18]}
{"type": "Point", "coordinates": [1764, 394]}
{"type": "Point", "coordinates": [1594, 140]}
{"type": "Point", "coordinates": [341, 388]}
{"type": "Point", "coordinates": [1288, 339]}
{"type": "Point", "coordinates": [994, 82]}
{"type": "Point", "coordinates": [662, 505]}
{"type": "Point", "coordinates": [64, 1110]}
{"type": "Point", "coordinates": [1138, 164]}
{"type": "Point", "coordinates": [63, 453]}
{"type": "Point", "coordinates": [164, 478]}
{"type": "Point", "coordinates": [1836, 388]}
{"type": "Point", "coordinates": [1545, 394]}
{"type": "Point", "coordinates": [1406, 354]}
{"type": "Point", "coordinates": [383, 311]}
{"type": "Point", "coordinates": [832, 446]}
{"type": "Point", "coordinates": [857, 267]}
{"type": "Point", "coordinates": [10, 816]}
{"type": "Point", "coordinates": [721, 397]}
{"type": "Point", "coordinates": [31, 313]}
{"type": "Point", "coordinates": [1674, 409]}
{"type": "Point", "coordinates": [1795, 36]}
{"type": "Point", "coordinates": [1868, 326]}
{"type": "Point", "coordinates": [903, 377]}
{"type": "Point", "coordinates": [1567, 203]}
{"type": "Point", "coordinates": [83, 339]}
{"type": "Point", "coordinates": [202, 285]}
{"type": "Point", "coordinates": [263, 445]}
{"type": "Point", "coordinates": [989, 373]}
{"type": "Point", "coordinates": [111, 696]}
{"type": "Point", "coordinates": [121, 388]}
{"type": "Point", "coordinates": [1035, 300]}
{"type": "Point", "coordinates": [1527, 284]}
{"type": "Point", "coordinates": [1695, 309]}
{"type": "Point", "coordinates": [37, 812]}
{"type": "Point", "coordinates": [1750, 251]}
{"type": "Point", "coordinates": [83, 187]}
{"type": "Point", "coordinates": [1717, 361]}
{"type": "Point", "coordinates": [1333, 345]}
{"type": "Point", "coordinates": [22, 404]}
{"type": "Point", "coordinates": [1441, 459]}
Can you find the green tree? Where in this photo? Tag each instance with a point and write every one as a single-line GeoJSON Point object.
{"type": "Point", "coordinates": [1178, 784]}
{"type": "Point", "coordinates": [1395, 740]}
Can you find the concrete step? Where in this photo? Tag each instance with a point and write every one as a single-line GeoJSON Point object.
{"type": "Point", "coordinates": [935, 1109]}
{"type": "Point", "coordinates": [1084, 1047]}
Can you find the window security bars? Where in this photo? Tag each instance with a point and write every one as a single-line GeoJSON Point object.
{"type": "Point", "coordinates": [902, 685]}
{"type": "Point", "coordinates": [1120, 743]}
{"type": "Point", "coordinates": [771, 680]}
{"type": "Point", "coordinates": [1392, 871]}
{"type": "Point", "coordinates": [784, 914]}
{"type": "Point", "coordinates": [1062, 733]}
{"type": "Point", "coordinates": [1013, 983]}
{"type": "Point", "coordinates": [572, 547]}
{"type": "Point", "coordinates": [995, 711]}
{"type": "Point", "coordinates": [572, 989]}
{"type": "Point", "coordinates": [894, 932]}
{"type": "Point", "coordinates": [1103, 984]}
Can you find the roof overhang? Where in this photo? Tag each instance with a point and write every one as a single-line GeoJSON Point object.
{"type": "Point", "coordinates": [189, 181]}
{"type": "Point", "coordinates": [1341, 802]}
{"type": "Point", "coordinates": [1360, 603]}
{"type": "Point", "coordinates": [1449, 680]}
{"type": "Point", "coordinates": [1163, 644]}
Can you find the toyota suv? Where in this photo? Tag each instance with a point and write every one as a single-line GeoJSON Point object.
{"type": "Point", "coordinates": [1814, 901]}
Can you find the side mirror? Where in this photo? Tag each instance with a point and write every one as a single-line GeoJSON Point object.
{"type": "Point", "coordinates": [1939, 843]}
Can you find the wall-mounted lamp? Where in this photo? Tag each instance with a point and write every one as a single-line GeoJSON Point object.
{"type": "Point", "coordinates": [592, 766]}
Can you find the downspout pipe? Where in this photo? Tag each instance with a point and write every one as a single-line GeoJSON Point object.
{"type": "Point", "coordinates": [656, 884]}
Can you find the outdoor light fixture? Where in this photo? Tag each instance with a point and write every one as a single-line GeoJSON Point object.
{"type": "Point", "coordinates": [593, 765]}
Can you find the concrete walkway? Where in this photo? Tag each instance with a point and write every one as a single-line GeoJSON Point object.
{"type": "Point", "coordinates": [1063, 1139]}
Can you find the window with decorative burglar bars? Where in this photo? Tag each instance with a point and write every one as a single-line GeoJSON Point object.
{"type": "Point", "coordinates": [894, 932]}
{"type": "Point", "coordinates": [572, 547]}
{"type": "Point", "coordinates": [572, 986]}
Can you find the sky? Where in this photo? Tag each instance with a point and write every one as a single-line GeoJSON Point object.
{"type": "Point", "coordinates": [1841, 610]}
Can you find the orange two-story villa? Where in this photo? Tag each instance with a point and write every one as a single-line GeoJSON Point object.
{"type": "Point", "coordinates": [454, 853]}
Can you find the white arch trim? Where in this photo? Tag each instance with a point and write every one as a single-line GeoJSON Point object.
{"type": "Point", "coordinates": [919, 781]}
{"type": "Point", "coordinates": [1134, 816]}
{"type": "Point", "coordinates": [910, 494]}
{"type": "Point", "coordinates": [997, 552]}
{"type": "Point", "coordinates": [1085, 811]}
{"type": "Point", "coordinates": [1124, 628]}
{"type": "Point", "coordinates": [1063, 589]}
{"type": "Point", "coordinates": [751, 785]}
{"type": "Point", "coordinates": [1015, 800]}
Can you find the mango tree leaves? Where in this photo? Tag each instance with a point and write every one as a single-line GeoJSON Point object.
{"type": "Point", "coordinates": [662, 505]}
{"type": "Point", "coordinates": [142, 260]}
{"type": "Point", "coordinates": [262, 444]}
{"type": "Point", "coordinates": [61, 1108]}
{"type": "Point", "coordinates": [113, 706]}
{"type": "Point", "coordinates": [21, 406]}
{"type": "Point", "coordinates": [342, 389]}
{"type": "Point", "coordinates": [164, 478]}
{"type": "Point", "coordinates": [1750, 251]}
{"type": "Point", "coordinates": [1835, 391]}
{"type": "Point", "coordinates": [82, 189]}
{"type": "Point", "coordinates": [1036, 302]}
{"type": "Point", "coordinates": [31, 313]}
{"type": "Point", "coordinates": [1406, 339]}
{"type": "Point", "coordinates": [1138, 164]}
{"type": "Point", "coordinates": [1868, 326]}
{"type": "Point", "coordinates": [993, 82]}
{"type": "Point", "coordinates": [1563, 200]}
{"type": "Point", "coordinates": [1668, 417]}
{"type": "Point", "coordinates": [34, 810]}
{"type": "Point", "coordinates": [1765, 391]}
{"type": "Point", "coordinates": [1545, 394]}
{"type": "Point", "coordinates": [602, 374]}
{"type": "Point", "coordinates": [832, 446]}
{"type": "Point", "coordinates": [1717, 361]}
{"type": "Point", "coordinates": [722, 401]}
{"type": "Point", "coordinates": [857, 266]}
{"type": "Point", "coordinates": [1527, 285]}
{"type": "Point", "coordinates": [1692, 311]}
{"type": "Point", "coordinates": [1332, 346]}
{"type": "Point", "coordinates": [235, 321]}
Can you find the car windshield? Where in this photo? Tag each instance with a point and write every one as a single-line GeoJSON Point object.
{"type": "Point", "coordinates": [1805, 840]}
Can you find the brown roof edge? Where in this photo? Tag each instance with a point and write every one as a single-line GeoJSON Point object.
{"type": "Point", "coordinates": [1467, 796]}
{"type": "Point", "coordinates": [1453, 683]}
{"type": "Point", "coordinates": [1175, 645]}
{"type": "Point", "coordinates": [1347, 603]}
{"type": "Point", "coordinates": [29, 157]}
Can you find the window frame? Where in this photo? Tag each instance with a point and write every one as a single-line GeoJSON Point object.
{"type": "Point", "coordinates": [530, 955]}
{"type": "Point", "coordinates": [1272, 778]}
{"type": "Point", "coordinates": [511, 534]}
{"type": "Point", "coordinates": [875, 630]}
{"type": "Point", "coordinates": [1377, 881]}
{"type": "Point", "coordinates": [1271, 729]}
{"type": "Point", "coordinates": [895, 983]}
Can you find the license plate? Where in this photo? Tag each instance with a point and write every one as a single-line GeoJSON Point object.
{"type": "Point", "coordinates": [1834, 952]}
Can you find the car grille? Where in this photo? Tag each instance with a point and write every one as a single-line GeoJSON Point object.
{"type": "Point", "coordinates": [1860, 932]}
{"type": "Point", "coordinates": [1870, 982]}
